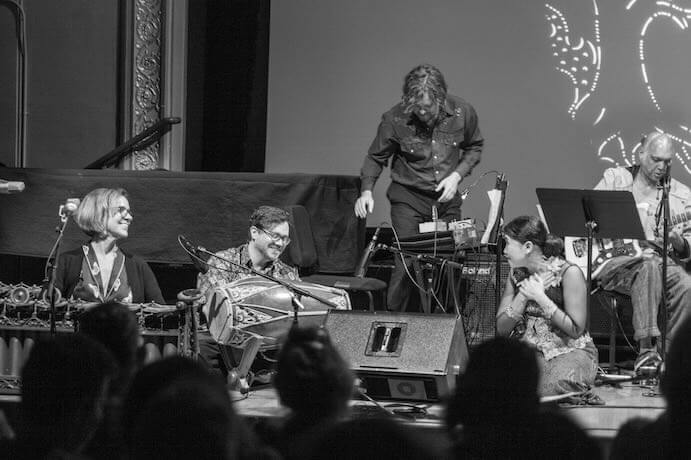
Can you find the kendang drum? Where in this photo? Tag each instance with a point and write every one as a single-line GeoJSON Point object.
{"type": "Point", "coordinates": [256, 306]}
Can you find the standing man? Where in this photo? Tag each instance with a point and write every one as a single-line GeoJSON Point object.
{"type": "Point", "coordinates": [433, 141]}
{"type": "Point", "coordinates": [641, 276]}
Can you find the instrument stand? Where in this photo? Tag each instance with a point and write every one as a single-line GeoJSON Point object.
{"type": "Point", "coordinates": [424, 275]}
{"type": "Point", "coordinates": [662, 312]}
{"type": "Point", "coordinates": [502, 185]}
{"type": "Point", "coordinates": [590, 213]}
{"type": "Point", "coordinates": [423, 266]}
{"type": "Point", "coordinates": [188, 341]}
{"type": "Point", "coordinates": [52, 295]}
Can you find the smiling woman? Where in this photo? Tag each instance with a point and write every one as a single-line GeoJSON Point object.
{"type": "Point", "coordinates": [100, 271]}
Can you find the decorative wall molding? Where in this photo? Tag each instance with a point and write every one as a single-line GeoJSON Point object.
{"type": "Point", "coordinates": [153, 72]}
{"type": "Point", "coordinates": [146, 101]}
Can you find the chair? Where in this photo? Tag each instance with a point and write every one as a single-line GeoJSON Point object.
{"type": "Point", "coordinates": [302, 253]}
{"type": "Point", "coordinates": [604, 320]}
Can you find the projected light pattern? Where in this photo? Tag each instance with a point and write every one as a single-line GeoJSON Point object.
{"type": "Point", "coordinates": [677, 16]}
{"type": "Point", "coordinates": [583, 71]}
{"type": "Point", "coordinates": [578, 59]}
{"type": "Point", "coordinates": [683, 156]}
{"type": "Point", "coordinates": [668, 11]}
{"type": "Point", "coordinates": [615, 137]}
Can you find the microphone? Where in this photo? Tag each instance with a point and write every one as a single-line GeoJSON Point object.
{"type": "Point", "coordinates": [362, 266]}
{"type": "Point", "coordinates": [195, 253]}
{"type": "Point", "coordinates": [501, 182]}
{"type": "Point", "coordinates": [69, 207]}
{"type": "Point", "coordinates": [7, 187]}
{"type": "Point", "coordinates": [667, 178]}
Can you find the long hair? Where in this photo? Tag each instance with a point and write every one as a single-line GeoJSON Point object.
{"type": "Point", "coordinates": [423, 79]}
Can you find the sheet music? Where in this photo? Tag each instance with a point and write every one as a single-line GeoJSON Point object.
{"type": "Point", "coordinates": [541, 214]}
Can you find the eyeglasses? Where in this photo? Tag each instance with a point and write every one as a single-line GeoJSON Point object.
{"type": "Point", "coordinates": [122, 210]}
{"type": "Point", "coordinates": [275, 236]}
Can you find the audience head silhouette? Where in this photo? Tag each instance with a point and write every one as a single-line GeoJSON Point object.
{"type": "Point", "coordinates": [176, 409]}
{"type": "Point", "coordinates": [64, 386]}
{"type": "Point", "coordinates": [373, 438]}
{"type": "Point", "coordinates": [116, 327]}
{"type": "Point", "coordinates": [499, 385]}
{"type": "Point", "coordinates": [312, 378]}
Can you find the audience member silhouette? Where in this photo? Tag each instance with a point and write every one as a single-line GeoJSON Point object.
{"type": "Point", "coordinates": [667, 437]}
{"type": "Point", "coordinates": [64, 386]}
{"type": "Point", "coordinates": [315, 382]}
{"type": "Point", "coordinates": [495, 411]}
{"type": "Point", "coordinates": [176, 409]}
{"type": "Point", "coordinates": [116, 327]}
{"type": "Point", "coordinates": [375, 439]}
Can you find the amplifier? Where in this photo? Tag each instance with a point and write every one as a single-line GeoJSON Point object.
{"type": "Point", "coordinates": [401, 356]}
{"type": "Point", "coordinates": [479, 295]}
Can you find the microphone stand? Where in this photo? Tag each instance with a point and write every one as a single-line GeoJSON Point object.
{"type": "Point", "coordinates": [502, 185]}
{"type": "Point", "coordinates": [294, 291]}
{"type": "Point", "coordinates": [662, 315]}
{"type": "Point", "coordinates": [53, 267]}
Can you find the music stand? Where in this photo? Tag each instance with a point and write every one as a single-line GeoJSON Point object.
{"type": "Point", "coordinates": [605, 213]}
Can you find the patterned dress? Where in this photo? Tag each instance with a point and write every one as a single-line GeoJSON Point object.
{"type": "Point", "coordinates": [566, 363]}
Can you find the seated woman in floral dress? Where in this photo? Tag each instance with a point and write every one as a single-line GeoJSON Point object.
{"type": "Point", "coordinates": [544, 304]}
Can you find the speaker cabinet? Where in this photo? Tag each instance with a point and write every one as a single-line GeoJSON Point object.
{"type": "Point", "coordinates": [402, 356]}
{"type": "Point", "coordinates": [479, 310]}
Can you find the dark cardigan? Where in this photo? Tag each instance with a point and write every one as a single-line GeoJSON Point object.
{"type": "Point", "coordinates": [139, 275]}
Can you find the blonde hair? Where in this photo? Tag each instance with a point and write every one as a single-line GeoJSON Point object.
{"type": "Point", "coordinates": [95, 209]}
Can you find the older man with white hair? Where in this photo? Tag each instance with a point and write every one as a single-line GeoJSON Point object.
{"type": "Point", "coordinates": [641, 276]}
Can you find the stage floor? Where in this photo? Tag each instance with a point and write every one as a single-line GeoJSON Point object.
{"type": "Point", "coordinates": [622, 402]}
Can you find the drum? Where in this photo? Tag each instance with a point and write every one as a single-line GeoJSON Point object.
{"type": "Point", "coordinates": [159, 317]}
{"type": "Point", "coordinates": [257, 306]}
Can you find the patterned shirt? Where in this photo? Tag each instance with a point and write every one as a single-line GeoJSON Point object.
{"type": "Point", "coordinates": [221, 272]}
{"type": "Point", "coordinates": [679, 203]}
{"type": "Point", "coordinates": [421, 156]}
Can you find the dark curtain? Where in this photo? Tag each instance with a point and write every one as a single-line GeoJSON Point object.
{"type": "Point", "coordinates": [227, 85]}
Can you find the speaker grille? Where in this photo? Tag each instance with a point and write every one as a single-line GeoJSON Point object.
{"type": "Point", "coordinates": [479, 297]}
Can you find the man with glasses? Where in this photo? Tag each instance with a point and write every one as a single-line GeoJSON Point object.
{"type": "Point", "coordinates": [269, 235]}
{"type": "Point", "coordinates": [433, 141]}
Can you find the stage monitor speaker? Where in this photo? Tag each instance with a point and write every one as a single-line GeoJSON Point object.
{"type": "Point", "coordinates": [479, 308]}
{"type": "Point", "coordinates": [401, 356]}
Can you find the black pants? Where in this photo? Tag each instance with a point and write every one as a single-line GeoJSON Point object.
{"type": "Point", "coordinates": [408, 209]}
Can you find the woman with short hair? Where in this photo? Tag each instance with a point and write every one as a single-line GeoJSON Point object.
{"type": "Point", "coordinates": [101, 271]}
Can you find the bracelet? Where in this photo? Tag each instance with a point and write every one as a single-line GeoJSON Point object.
{"type": "Point", "coordinates": [550, 311]}
{"type": "Point", "coordinates": [511, 313]}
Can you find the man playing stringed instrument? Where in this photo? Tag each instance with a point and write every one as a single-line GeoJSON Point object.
{"type": "Point", "coordinates": [640, 275]}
